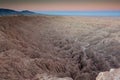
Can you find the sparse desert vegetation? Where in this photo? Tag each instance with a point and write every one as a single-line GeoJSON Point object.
{"type": "Point", "coordinates": [64, 47]}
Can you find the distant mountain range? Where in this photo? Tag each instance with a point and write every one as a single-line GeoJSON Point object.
{"type": "Point", "coordinates": [5, 12]}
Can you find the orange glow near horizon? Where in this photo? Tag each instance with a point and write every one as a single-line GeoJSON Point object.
{"type": "Point", "coordinates": [62, 6]}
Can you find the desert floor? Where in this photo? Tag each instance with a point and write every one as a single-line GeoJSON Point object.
{"type": "Point", "coordinates": [63, 47]}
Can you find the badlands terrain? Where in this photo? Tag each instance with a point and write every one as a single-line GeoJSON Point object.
{"type": "Point", "coordinates": [58, 47]}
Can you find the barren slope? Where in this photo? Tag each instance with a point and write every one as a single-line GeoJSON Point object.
{"type": "Point", "coordinates": [75, 47]}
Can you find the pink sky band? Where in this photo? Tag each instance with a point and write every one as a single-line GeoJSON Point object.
{"type": "Point", "coordinates": [62, 7]}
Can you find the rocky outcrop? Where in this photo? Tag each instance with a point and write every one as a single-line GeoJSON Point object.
{"type": "Point", "coordinates": [113, 74]}
{"type": "Point", "coordinates": [49, 77]}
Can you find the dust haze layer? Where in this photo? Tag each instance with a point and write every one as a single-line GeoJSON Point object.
{"type": "Point", "coordinates": [57, 46]}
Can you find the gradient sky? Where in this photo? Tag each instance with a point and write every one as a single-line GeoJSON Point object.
{"type": "Point", "coordinates": [61, 5]}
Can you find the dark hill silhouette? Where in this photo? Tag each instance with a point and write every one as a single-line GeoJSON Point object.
{"type": "Point", "coordinates": [26, 12]}
{"type": "Point", "coordinates": [6, 12]}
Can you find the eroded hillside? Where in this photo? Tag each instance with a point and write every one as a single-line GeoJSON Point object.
{"type": "Point", "coordinates": [66, 48]}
